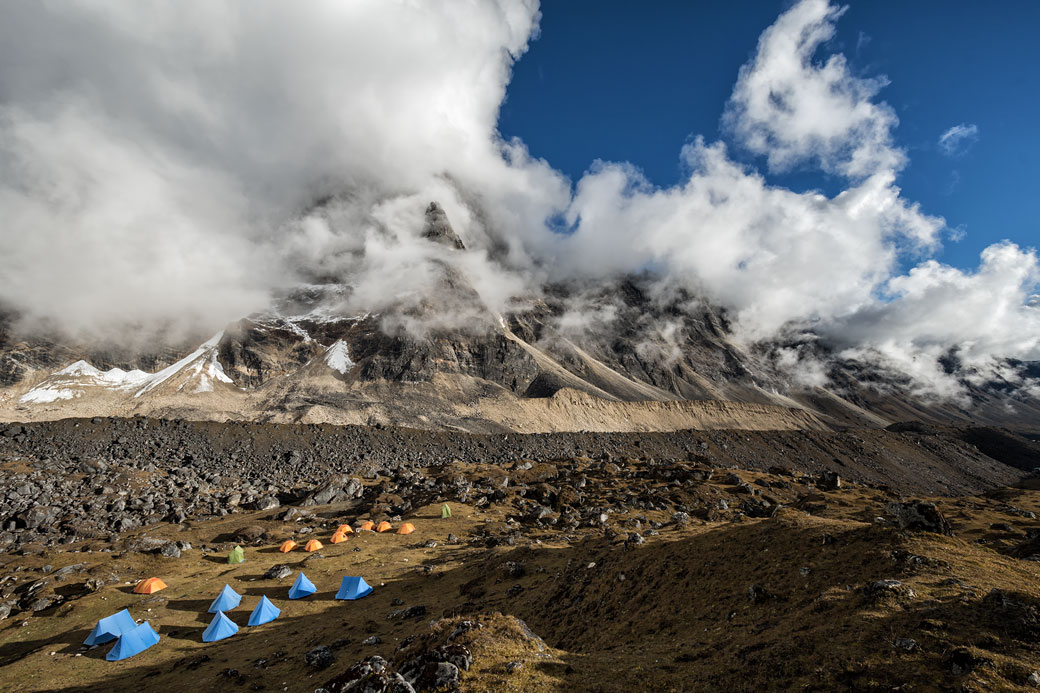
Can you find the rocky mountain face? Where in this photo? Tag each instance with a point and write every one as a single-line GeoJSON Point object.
{"type": "Point", "coordinates": [608, 356]}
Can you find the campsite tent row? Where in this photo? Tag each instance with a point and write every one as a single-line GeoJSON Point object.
{"type": "Point", "coordinates": [237, 554]}
{"type": "Point", "coordinates": [132, 638]}
{"type": "Point", "coordinates": [342, 532]}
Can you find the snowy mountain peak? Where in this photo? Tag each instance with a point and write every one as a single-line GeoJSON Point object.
{"type": "Point", "coordinates": [197, 373]}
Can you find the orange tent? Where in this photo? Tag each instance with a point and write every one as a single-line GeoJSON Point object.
{"type": "Point", "coordinates": [287, 546]}
{"type": "Point", "coordinates": [367, 524]}
{"type": "Point", "coordinates": [384, 526]}
{"type": "Point", "coordinates": [149, 586]}
{"type": "Point", "coordinates": [406, 528]}
{"type": "Point", "coordinates": [338, 537]}
{"type": "Point", "coordinates": [313, 545]}
{"type": "Point", "coordinates": [345, 529]}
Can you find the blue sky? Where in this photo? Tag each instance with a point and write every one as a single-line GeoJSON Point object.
{"type": "Point", "coordinates": [625, 82]}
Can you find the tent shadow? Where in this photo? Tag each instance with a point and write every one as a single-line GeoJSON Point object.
{"type": "Point", "coordinates": [327, 596]}
{"type": "Point", "coordinates": [235, 538]}
{"type": "Point", "coordinates": [72, 591]}
{"type": "Point", "coordinates": [98, 652]}
{"type": "Point", "coordinates": [197, 605]}
{"type": "Point", "coordinates": [72, 641]}
{"type": "Point", "coordinates": [190, 633]}
{"type": "Point", "coordinates": [272, 592]}
{"type": "Point", "coordinates": [213, 558]}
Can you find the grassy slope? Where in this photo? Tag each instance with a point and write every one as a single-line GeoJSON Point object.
{"type": "Point", "coordinates": [680, 618]}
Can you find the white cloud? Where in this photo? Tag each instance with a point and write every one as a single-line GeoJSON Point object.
{"type": "Point", "coordinates": [980, 314]}
{"type": "Point", "coordinates": [958, 139]}
{"type": "Point", "coordinates": [795, 109]}
{"type": "Point", "coordinates": [155, 156]}
{"type": "Point", "coordinates": [159, 165]}
{"type": "Point", "coordinates": [764, 252]}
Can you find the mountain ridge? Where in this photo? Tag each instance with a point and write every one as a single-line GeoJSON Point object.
{"type": "Point", "coordinates": [581, 354]}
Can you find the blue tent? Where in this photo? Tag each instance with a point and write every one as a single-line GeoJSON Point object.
{"type": "Point", "coordinates": [219, 628]}
{"type": "Point", "coordinates": [264, 612]}
{"type": "Point", "coordinates": [302, 587]}
{"type": "Point", "coordinates": [110, 628]}
{"type": "Point", "coordinates": [353, 588]}
{"type": "Point", "coordinates": [227, 599]}
{"type": "Point", "coordinates": [132, 641]}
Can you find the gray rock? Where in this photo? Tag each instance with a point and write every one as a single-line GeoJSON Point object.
{"type": "Point", "coordinates": [40, 604]}
{"type": "Point", "coordinates": [514, 569]}
{"type": "Point", "coordinates": [337, 489]}
{"type": "Point", "coordinates": [170, 550]}
{"type": "Point", "coordinates": [829, 481]}
{"type": "Point", "coordinates": [758, 594]}
{"type": "Point", "coordinates": [441, 675]}
{"type": "Point", "coordinates": [919, 516]}
{"type": "Point", "coordinates": [40, 515]}
{"type": "Point", "coordinates": [681, 519]}
{"type": "Point", "coordinates": [880, 589]}
{"type": "Point", "coordinates": [320, 657]}
{"type": "Point", "coordinates": [267, 503]}
{"type": "Point", "coordinates": [145, 544]}
{"type": "Point", "coordinates": [278, 572]}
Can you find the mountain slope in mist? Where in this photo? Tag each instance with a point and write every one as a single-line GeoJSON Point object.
{"type": "Point", "coordinates": [584, 355]}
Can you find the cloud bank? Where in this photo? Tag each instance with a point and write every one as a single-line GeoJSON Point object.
{"type": "Point", "coordinates": [173, 164]}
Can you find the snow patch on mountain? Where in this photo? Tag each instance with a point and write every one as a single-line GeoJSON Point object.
{"type": "Point", "coordinates": [70, 382]}
{"type": "Point", "coordinates": [47, 394]}
{"type": "Point", "coordinates": [204, 364]}
{"type": "Point", "coordinates": [206, 371]}
{"type": "Point", "coordinates": [337, 357]}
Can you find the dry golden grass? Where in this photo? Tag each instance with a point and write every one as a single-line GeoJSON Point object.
{"type": "Point", "coordinates": [673, 614]}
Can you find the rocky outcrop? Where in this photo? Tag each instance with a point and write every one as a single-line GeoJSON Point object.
{"type": "Point", "coordinates": [919, 516]}
{"type": "Point", "coordinates": [438, 229]}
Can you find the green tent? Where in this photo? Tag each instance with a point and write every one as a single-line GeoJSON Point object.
{"type": "Point", "coordinates": [237, 555]}
{"type": "Point", "coordinates": [445, 511]}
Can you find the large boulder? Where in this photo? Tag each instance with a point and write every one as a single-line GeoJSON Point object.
{"type": "Point", "coordinates": [338, 489]}
{"type": "Point", "coordinates": [918, 516]}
